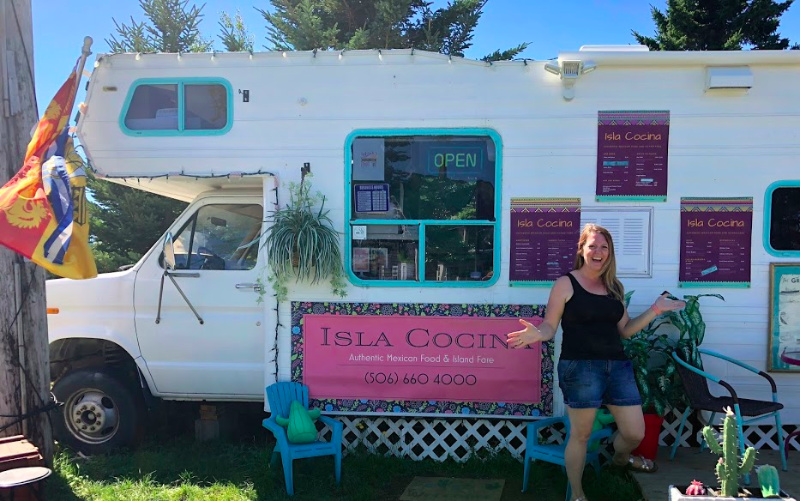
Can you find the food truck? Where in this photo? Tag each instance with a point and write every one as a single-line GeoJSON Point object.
{"type": "Point", "coordinates": [458, 189]}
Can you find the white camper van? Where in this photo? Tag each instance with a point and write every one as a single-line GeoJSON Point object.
{"type": "Point", "coordinates": [430, 165]}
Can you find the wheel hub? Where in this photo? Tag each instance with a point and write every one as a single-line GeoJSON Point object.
{"type": "Point", "coordinates": [93, 416]}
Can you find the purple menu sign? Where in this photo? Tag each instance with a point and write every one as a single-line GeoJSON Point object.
{"type": "Point", "coordinates": [632, 155]}
{"type": "Point", "coordinates": [716, 241]}
{"type": "Point", "coordinates": [544, 235]}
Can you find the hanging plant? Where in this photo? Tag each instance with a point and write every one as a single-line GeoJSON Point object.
{"type": "Point", "coordinates": [302, 244]}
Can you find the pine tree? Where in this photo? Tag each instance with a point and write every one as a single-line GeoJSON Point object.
{"type": "Point", "coordinates": [235, 37]}
{"type": "Point", "coordinates": [717, 25]}
{"type": "Point", "coordinates": [127, 221]}
{"type": "Point", "coordinates": [376, 24]}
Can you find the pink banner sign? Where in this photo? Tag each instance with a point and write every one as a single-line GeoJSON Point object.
{"type": "Point", "coordinates": [419, 358]}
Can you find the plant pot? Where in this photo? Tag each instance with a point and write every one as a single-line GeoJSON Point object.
{"type": "Point", "coordinates": [652, 429]}
{"type": "Point", "coordinates": [676, 493]}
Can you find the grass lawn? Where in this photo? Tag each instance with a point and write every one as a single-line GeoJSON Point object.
{"type": "Point", "coordinates": [180, 469]}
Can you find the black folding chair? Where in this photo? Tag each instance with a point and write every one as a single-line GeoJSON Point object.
{"type": "Point", "coordinates": [695, 383]}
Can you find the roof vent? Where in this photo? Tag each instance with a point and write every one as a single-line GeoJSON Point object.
{"type": "Point", "coordinates": [729, 77]}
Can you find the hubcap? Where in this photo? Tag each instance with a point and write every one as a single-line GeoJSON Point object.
{"type": "Point", "coordinates": [91, 416]}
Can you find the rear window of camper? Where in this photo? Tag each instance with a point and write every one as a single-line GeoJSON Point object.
{"type": "Point", "coordinates": [782, 214]}
{"type": "Point", "coordinates": [423, 208]}
{"type": "Point", "coordinates": [185, 107]}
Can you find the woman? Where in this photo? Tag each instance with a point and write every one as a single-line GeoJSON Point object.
{"type": "Point", "coordinates": [593, 370]}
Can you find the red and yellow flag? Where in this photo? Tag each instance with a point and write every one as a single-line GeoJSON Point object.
{"type": "Point", "coordinates": [43, 213]}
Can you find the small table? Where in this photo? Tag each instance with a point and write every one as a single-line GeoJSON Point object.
{"type": "Point", "coordinates": [18, 477]}
{"type": "Point", "coordinates": [791, 358]}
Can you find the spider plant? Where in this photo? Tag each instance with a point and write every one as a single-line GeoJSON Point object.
{"type": "Point", "coordinates": [302, 244]}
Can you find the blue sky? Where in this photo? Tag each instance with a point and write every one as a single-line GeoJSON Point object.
{"type": "Point", "coordinates": [549, 25]}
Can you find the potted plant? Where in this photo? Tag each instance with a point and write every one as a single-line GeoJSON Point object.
{"type": "Point", "coordinates": [729, 468]}
{"type": "Point", "coordinates": [302, 244]}
{"type": "Point", "coordinates": [650, 352]}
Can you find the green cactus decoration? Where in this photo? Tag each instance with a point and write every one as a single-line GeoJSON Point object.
{"type": "Point", "coordinates": [769, 481]}
{"type": "Point", "coordinates": [729, 469]}
{"type": "Point", "coordinates": [601, 419]}
{"type": "Point", "coordinates": [299, 425]}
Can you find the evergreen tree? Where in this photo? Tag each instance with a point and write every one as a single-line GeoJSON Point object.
{"type": "Point", "coordinates": [127, 221]}
{"type": "Point", "coordinates": [235, 37]}
{"type": "Point", "coordinates": [376, 24]}
{"type": "Point", "coordinates": [717, 25]}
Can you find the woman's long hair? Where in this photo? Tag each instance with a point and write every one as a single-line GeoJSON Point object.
{"type": "Point", "coordinates": [609, 273]}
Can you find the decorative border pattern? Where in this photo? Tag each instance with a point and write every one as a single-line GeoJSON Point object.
{"type": "Point", "coordinates": [635, 117]}
{"type": "Point", "coordinates": [430, 407]}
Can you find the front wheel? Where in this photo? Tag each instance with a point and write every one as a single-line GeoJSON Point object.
{"type": "Point", "coordinates": [100, 412]}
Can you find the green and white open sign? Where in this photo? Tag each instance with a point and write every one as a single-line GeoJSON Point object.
{"type": "Point", "coordinates": [455, 159]}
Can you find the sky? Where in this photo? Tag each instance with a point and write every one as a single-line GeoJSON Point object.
{"type": "Point", "coordinates": [550, 26]}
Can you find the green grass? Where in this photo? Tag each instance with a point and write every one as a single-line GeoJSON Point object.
{"type": "Point", "coordinates": [180, 469]}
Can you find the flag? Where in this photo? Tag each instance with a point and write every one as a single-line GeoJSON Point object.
{"type": "Point", "coordinates": [43, 213]}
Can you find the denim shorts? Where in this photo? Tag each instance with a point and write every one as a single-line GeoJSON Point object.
{"type": "Point", "coordinates": [588, 384]}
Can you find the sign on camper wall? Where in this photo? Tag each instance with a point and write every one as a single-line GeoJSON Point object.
{"type": "Point", "coordinates": [715, 246]}
{"type": "Point", "coordinates": [435, 359]}
{"type": "Point", "coordinates": [632, 154]}
{"type": "Point", "coordinates": [544, 234]}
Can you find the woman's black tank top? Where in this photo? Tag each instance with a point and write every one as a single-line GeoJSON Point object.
{"type": "Point", "coordinates": [589, 326]}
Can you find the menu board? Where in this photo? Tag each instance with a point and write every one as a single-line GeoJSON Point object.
{"type": "Point", "coordinates": [372, 197]}
{"type": "Point", "coordinates": [716, 241]}
{"type": "Point", "coordinates": [632, 155]}
{"type": "Point", "coordinates": [544, 236]}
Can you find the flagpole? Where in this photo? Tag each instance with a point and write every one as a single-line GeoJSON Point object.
{"type": "Point", "coordinates": [85, 52]}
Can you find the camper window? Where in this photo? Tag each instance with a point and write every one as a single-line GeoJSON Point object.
{"type": "Point", "coordinates": [782, 219]}
{"type": "Point", "coordinates": [425, 208]}
{"type": "Point", "coordinates": [220, 237]}
{"type": "Point", "coordinates": [180, 107]}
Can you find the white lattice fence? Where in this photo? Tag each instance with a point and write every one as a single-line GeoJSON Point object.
{"type": "Point", "coordinates": [459, 439]}
{"type": "Point", "coordinates": [759, 436]}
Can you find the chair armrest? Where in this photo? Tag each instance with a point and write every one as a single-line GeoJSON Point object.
{"type": "Point", "coordinates": [601, 434]}
{"type": "Point", "coordinates": [540, 424]}
{"type": "Point", "coordinates": [337, 427]}
{"type": "Point", "coordinates": [742, 365]}
{"type": "Point", "coordinates": [276, 429]}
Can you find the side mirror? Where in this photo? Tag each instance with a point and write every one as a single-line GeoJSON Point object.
{"type": "Point", "coordinates": [169, 252]}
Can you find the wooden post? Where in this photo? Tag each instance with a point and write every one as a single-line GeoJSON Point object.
{"type": "Point", "coordinates": [23, 318]}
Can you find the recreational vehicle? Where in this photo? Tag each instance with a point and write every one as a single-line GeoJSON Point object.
{"type": "Point", "coordinates": [458, 188]}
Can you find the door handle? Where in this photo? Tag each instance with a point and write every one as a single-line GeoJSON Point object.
{"type": "Point", "coordinates": [255, 287]}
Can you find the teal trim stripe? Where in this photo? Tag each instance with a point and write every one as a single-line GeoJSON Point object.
{"type": "Point", "coordinates": [533, 283]}
{"type": "Point", "coordinates": [768, 218]}
{"type": "Point", "coordinates": [721, 285]}
{"type": "Point", "coordinates": [181, 130]}
{"type": "Point", "coordinates": [629, 198]}
{"type": "Point", "coordinates": [422, 224]}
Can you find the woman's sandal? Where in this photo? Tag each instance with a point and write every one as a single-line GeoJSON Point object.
{"type": "Point", "coordinates": [642, 464]}
{"type": "Point", "coordinates": [637, 463]}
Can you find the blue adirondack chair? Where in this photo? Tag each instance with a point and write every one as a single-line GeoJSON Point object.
{"type": "Point", "coordinates": [554, 453]}
{"type": "Point", "coordinates": [280, 397]}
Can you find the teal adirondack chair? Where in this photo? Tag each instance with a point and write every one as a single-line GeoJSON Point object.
{"type": "Point", "coordinates": [280, 397]}
{"type": "Point", "coordinates": [554, 453]}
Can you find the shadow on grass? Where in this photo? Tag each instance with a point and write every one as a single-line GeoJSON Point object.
{"type": "Point", "coordinates": [242, 471]}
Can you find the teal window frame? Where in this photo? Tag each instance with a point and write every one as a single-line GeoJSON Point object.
{"type": "Point", "coordinates": [180, 82]}
{"type": "Point", "coordinates": [768, 218]}
{"type": "Point", "coordinates": [349, 223]}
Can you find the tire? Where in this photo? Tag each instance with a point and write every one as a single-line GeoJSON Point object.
{"type": "Point", "coordinates": [100, 412]}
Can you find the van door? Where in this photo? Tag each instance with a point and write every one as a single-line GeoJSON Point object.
{"type": "Point", "coordinates": [217, 267]}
